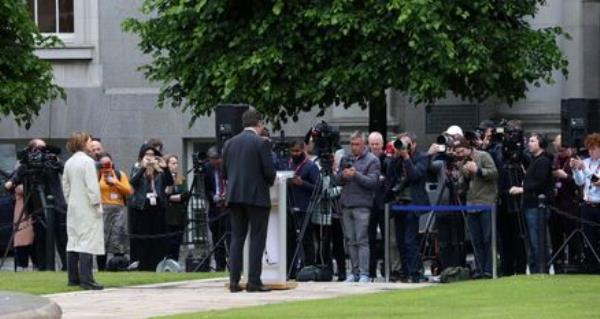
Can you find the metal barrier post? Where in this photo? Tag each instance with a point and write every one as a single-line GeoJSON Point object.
{"type": "Point", "coordinates": [386, 242]}
{"type": "Point", "coordinates": [494, 244]}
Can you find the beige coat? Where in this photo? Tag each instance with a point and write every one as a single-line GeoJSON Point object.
{"type": "Point", "coordinates": [24, 232]}
{"type": "Point", "coordinates": [85, 227]}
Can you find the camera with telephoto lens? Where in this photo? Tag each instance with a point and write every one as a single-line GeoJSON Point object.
{"type": "Point", "coordinates": [512, 141]}
{"type": "Point", "coordinates": [40, 158]}
{"type": "Point", "coordinates": [444, 142]}
{"type": "Point", "coordinates": [401, 146]}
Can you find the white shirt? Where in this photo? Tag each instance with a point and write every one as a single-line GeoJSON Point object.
{"type": "Point", "coordinates": [583, 177]}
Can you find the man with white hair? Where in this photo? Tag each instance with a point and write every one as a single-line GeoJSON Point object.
{"type": "Point", "coordinates": [377, 218]}
{"type": "Point", "coordinates": [359, 175]}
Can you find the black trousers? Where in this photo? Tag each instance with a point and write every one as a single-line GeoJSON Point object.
{"type": "Point", "coordinates": [220, 226]}
{"type": "Point", "coordinates": [60, 239]}
{"type": "Point", "coordinates": [79, 267]}
{"type": "Point", "coordinates": [242, 217]}
{"type": "Point", "coordinates": [451, 238]}
{"type": "Point", "coordinates": [148, 251]}
{"type": "Point", "coordinates": [376, 219]}
{"type": "Point", "coordinates": [337, 241]}
{"type": "Point", "coordinates": [513, 259]}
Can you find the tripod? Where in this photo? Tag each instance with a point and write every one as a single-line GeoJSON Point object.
{"type": "Point", "coordinates": [324, 200]}
{"type": "Point", "coordinates": [578, 230]}
{"type": "Point", "coordinates": [200, 219]}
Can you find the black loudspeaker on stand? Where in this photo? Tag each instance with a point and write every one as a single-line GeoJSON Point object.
{"type": "Point", "coordinates": [578, 118]}
{"type": "Point", "coordinates": [228, 121]}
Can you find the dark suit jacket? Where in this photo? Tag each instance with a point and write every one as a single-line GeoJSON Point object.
{"type": "Point", "coordinates": [248, 169]}
{"type": "Point", "coordinates": [210, 189]}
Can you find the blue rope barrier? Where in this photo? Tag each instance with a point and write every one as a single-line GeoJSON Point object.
{"type": "Point", "coordinates": [439, 208]}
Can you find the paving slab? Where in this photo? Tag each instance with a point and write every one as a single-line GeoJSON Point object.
{"type": "Point", "coordinates": [199, 295]}
{"type": "Point", "coordinates": [14, 305]}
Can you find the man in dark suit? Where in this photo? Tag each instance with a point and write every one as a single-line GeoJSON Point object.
{"type": "Point", "coordinates": [214, 186]}
{"type": "Point", "coordinates": [249, 172]}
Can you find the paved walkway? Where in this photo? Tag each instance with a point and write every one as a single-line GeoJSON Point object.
{"type": "Point", "coordinates": [193, 296]}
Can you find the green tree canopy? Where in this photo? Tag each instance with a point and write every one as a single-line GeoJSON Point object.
{"type": "Point", "coordinates": [285, 57]}
{"type": "Point", "coordinates": [25, 80]}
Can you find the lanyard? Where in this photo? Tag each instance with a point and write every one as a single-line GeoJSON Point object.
{"type": "Point", "coordinates": [299, 166]}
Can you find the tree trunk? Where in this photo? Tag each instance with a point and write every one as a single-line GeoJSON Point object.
{"type": "Point", "coordinates": [378, 115]}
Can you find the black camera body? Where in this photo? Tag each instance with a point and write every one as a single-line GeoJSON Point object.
{"type": "Point", "coordinates": [199, 161]}
{"type": "Point", "coordinates": [348, 162]}
{"type": "Point", "coordinates": [40, 158]}
{"type": "Point", "coordinates": [325, 138]}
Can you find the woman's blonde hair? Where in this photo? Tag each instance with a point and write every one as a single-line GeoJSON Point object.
{"type": "Point", "coordinates": [78, 141]}
{"type": "Point", "coordinates": [178, 176]}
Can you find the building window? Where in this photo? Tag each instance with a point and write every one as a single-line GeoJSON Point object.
{"type": "Point", "coordinates": [53, 16]}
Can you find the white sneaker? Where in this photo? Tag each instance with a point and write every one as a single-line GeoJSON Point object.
{"type": "Point", "coordinates": [363, 279]}
{"type": "Point", "coordinates": [351, 278]}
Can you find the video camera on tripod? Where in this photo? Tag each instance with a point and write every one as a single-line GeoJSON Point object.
{"type": "Point", "coordinates": [326, 139]}
{"type": "Point", "coordinates": [39, 159]}
{"type": "Point", "coordinates": [199, 161]}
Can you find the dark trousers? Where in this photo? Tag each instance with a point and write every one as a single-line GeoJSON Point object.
{"type": "Point", "coordinates": [306, 254]}
{"type": "Point", "coordinates": [22, 255]}
{"type": "Point", "coordinates": [451, 239]}
{"type": "Point", "coordinates": [591, 214]}
{"type": "Point", "coordinates": [257, 218]}
{"type": "Point", "coordinates": [479, 225]}
{"type": "Point", "coordinates": [148, 251]}
{"type": "Point", "coordinates": [337, 244]}
{"type": "Point", "coordinates": [511, 244]}
{"type": "Point", "coordinates": [376, 219]}
{"type": "Point", "coordinates": [80, 268]}
{"type": "Point", "coordinates": [174, 241]}
{"type": "Point", "coordinates": [532, 218]}
{"type": "Point", "coordinates": [407, 230]}
{"type": "Point", "coordinates": [39, 252]}
{"type": "Point", "coordinates": [220, 229]}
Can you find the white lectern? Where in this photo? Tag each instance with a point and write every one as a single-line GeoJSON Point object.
{"type": "Point", "coordinates": [274, 262]}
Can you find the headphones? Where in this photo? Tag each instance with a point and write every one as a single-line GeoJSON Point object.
{"type": "Point", "coordinates": [542, 141]}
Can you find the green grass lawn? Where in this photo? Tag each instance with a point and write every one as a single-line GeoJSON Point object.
{"type": "Point", "coordinates": [45, 282]}
{"type": "Point", "coordinates": [514, 297]}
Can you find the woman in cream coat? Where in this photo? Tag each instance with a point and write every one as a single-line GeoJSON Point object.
{"type": "Point", "coordinates": [85, 227]}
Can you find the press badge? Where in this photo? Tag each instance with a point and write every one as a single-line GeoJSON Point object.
{"type": "Point", "coordinates": [151, 198]}
{"type": "Point", "coordinates": [114, 196]}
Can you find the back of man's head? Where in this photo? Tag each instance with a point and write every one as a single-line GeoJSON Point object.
{"type": "Point", "coordinates": [251, 118]}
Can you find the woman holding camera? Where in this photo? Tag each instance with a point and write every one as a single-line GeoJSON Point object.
{"type": "Point", "coordinates": [114, 187]}
{"type": "Point", "coordinates": [150, 178]}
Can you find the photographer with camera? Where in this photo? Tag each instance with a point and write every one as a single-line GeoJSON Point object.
{"type": "Point", "coordinates": [586, 173]}
{"type": "Point", "coordinates": [538, 181]}
{"type": "Point", "coordinates": [479, 172]}
{"type": "Point", "coordinates": [150, 178]}
{"type": "Point", "coordinates": [114, 188]}
{"type": "Point", "coordinates": [219, 224]}
{"type": "Point", "coordinates": [39, 173]}
{"type": "Point", "coordinates": [406, 176]}
{"type": "Point", "coordinates": [300, 191]}
{"type": "Point", "coordinates": [359, 175]}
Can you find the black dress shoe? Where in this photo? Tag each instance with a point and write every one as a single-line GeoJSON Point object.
{"type": "Point", "coordinates": [252, 288]}
{"type": "Point", "coordinates": [234, 288]}
{"type": "Point", "coordinates": [91, 286]}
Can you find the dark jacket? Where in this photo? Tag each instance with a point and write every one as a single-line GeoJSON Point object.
{"type": "Point", "coordinates": [248, 169]}
{"type": "Point", "coordinates": [176, 214]}
{"type": "Point", "coordinates": [379, 201]}
{"type": "Point", "coordinates": [359, 191]}
{"type": "Point", "coordinates": [538, 180]}
{"type": "Point", "coordinates": [415, 171]}
{"type": "Point", "coordinates": [140, 185]}
{"type": "Point", "coordinates": [210, 188]}
{"type": "Point", "coordinates": [300, 196]}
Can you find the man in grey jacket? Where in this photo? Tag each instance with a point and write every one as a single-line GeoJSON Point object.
{"type": "Point", "coordinates": [359, 175]}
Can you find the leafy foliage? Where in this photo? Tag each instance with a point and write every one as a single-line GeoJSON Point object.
{"type": "Point", "coordinates": [285, 57]}
{"type": "Point", "coordinates": [25, 80]}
